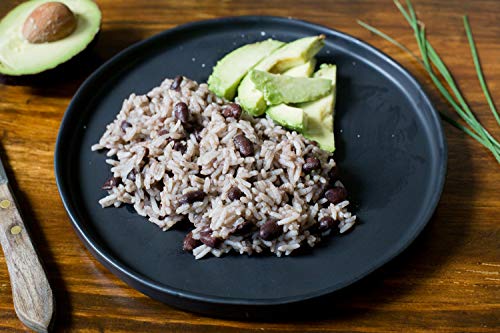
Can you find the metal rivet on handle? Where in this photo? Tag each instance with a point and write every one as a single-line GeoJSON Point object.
{"type": "Point", "coordinates": [4, 204]}
{"type": "Point", "coordinates": [15, 230]}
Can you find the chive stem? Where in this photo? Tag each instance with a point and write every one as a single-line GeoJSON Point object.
{"type": "Point", "coordinates": [479, 71]}
{"type": "Point", "coordinates": [430, 59]}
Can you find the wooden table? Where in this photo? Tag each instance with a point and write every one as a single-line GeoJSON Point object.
{"type": "Point", "coordinates": [448, 280]}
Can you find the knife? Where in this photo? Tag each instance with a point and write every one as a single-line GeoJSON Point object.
{"type": "Point", "coordinates": [31, 292]}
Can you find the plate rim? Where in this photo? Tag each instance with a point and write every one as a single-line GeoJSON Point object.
{"type": "Point", "coordinates": [130, 276]}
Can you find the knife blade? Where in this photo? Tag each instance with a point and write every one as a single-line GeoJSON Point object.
{"type": "Point", "coordinates": [31, 292]}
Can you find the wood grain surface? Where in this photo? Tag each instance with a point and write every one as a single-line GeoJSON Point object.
{"type": "Point", "coordinates": [447, 281]}
{"type": "Point", "coordinates": [31, 292]}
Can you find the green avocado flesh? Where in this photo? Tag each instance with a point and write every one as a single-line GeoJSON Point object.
{"type": "Point", "coordinates": [229, 71]}
{"type": "Point", "coordinates": [304, 70]}
{"type": "Point", "coordinates": [288, 89]}
{"type": "Point", "coordinates": [319, 113]}
{"type": "Point", "coordinates": [288, 56]}
{"type": "Point", "coordinates": [19, 57]}
{"type": "Point", "coordinates": [287, 116]}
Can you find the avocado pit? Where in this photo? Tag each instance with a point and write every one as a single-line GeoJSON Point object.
{"type": "Point", "coordinates": [49, 22]}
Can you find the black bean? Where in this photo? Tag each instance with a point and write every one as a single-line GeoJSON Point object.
{"type": "Point", "coordinates": [163, 132]}
{"type": "Point", "coordinates": [270, 230]}
{"type": "Point", "coordinates": [176, 84]}
{"type": "Point", "coordinates": [180, 146]}
{"type": "Point", "coordinates": [326, 223]}
{"type": "Point", "coordinates": [231, 110]}
{"type": "Point", "coordinates": [234, 193]}
{"type": "Point", "coordinates": [244, 145]}
{"type": "Point", "coordinates": [110, 183]}
{"type": "Point", "coordinates": [189, 242]}
{"type": "Point", "coordinates": [336, 194]}
{"type": "Point", "coordinates": [243, 228]}
{"type": "Point", "coordinates": [124, 125]}
{"type": "Point", "coordinates": [333, 174]}
{"type": "Point", "coordinates": [193, 127]}
{"type": "Point", "coordinates": [181, 112]}
{"type": "Point", "coordinates": [207, 238]}
{"type": "Point", "coordinates": [191, 197]}
{"type": "Point", "coordinates": [253, 179]}
{"type": "Point", "coordinates": [311, 163]}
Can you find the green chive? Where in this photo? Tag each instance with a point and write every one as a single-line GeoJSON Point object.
{"type": "Point", "coordinates": [479, 71]}
{"type": "Point", "coordinates": [430, 59]}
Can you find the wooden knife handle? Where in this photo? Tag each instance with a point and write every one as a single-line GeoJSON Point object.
{"type": "Point", "coordinates": [33, 299]}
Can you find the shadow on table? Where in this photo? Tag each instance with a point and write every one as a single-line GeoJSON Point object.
{"type": "Point", "coordinates": [64, 80]}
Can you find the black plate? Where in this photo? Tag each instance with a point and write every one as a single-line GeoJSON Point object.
{"type": "Point", "coordinates": [390, 146]}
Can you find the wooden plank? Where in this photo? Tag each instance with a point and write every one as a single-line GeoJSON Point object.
{"type": "Point", "coordinates": [447, 281]}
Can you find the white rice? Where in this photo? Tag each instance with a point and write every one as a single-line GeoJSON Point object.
{"type": "Point", "coordinates": [272, 181]}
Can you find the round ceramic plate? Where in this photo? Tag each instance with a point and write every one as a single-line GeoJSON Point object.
{"type": "Point", "coordinates": [390, 146]}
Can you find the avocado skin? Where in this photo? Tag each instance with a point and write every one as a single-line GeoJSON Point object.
{"type": "Point", "coordinates": [81, 65]}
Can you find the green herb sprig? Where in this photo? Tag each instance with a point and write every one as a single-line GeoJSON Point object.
{"type": "Point", "coordinates": [449, 89]}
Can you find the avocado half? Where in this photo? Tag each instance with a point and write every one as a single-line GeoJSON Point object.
{"type": "Point", "coordinates": [20, 59]}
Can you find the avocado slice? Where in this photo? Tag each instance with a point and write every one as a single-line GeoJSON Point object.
{"type": "Point", "coordinates": [288, 116]}
{"type": "Point", "coordinates": [319, 113]}
{"type": "Point", "coordinates": [293, 54]}
{"type": "Point", "coordinates": [19, 57]}
{"type": "Point", "coordinates": [231, 69]}
{"type": "Point", "coordinates": [279, 89]}
{"type": "Point", "coordinates": [304, 70]}
{"type": "Point", "coordinates": [290, 55]}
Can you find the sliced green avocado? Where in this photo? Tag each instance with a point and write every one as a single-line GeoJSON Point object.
{"type": "Point", "coordinates": [229, 71]}
{"type": "Point", "coordinates": [288, 89]}
{"type": "Point", "coordinates": [287, 116]}
{"type": "Point", "coordinates": [319, 114]}
{"type": "Point", "coordinates": [292, 54]}
{"type": "Point", "coordinates": [19, 57]}
{"type": "Point", "coordinates": [304, 70]}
